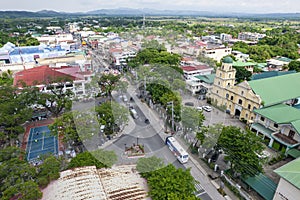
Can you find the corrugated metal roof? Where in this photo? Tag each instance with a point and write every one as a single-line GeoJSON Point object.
{"type": "Point", "coordinates": [290, 172]}
{"type": "Point", "coordinates": [262, 185]}
{"type": "Point", "coordinates": [277, 89]}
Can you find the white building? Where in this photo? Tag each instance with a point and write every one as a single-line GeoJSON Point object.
{"type": "Point", "coordinates": [289, 184]}
{"type": "Point", "coordinates": [216, 53]}
{"type": "Point", "coordinates": [250, 36]}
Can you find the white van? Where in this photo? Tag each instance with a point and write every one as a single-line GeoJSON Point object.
{"type": "Point", "coordinates": [134, 113]}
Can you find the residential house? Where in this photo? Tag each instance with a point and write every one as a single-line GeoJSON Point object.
{"type": "Point", "coordinates": [200, 84]}
{"type": "Point", "coordinates": [278, 63]}
{"type": "Point", "coordinates": [194, 70]}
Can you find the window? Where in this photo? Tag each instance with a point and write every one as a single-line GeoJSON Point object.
{"type": "Point", "coordinates": [229, 75]}
{"type": "Point", "coordinates": [276, 125]}
{"type": "Point", "coordinates": [228, 84]}
{"type": "Point", "coordinates": [219, 83]}
{"type": "Point", "coordinates": [246, 116]}
{"type": "Point", "coordinates": [217, 91]}
{"type": "Point", "coordinates": [291, 134]}
{"type": "Point", "coordinates": [240, 101]}
{"type": "Point", "coordinates": [227, 95]}
{"type": "Point", "coordinates": [249, 106]}
{"type": "Point", "coordinates": [231, 98]}
{"type": "Point", "coordinates": [242, 93]}
{"type": "Point", "coordinates": [262, 118]}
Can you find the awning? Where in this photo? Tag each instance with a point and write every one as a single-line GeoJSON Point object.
{"type": "Point", "coordinates": [295, 153]}
{"type": "Point", "coordinates": [263, 185]}
{"type": "Point", "coordinates": [260, 128]}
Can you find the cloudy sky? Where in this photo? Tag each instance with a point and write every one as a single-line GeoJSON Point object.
{"type": "Point", "coordinates": [249, 6]}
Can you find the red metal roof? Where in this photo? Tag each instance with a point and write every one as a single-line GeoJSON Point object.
{"type": "Point", "coordinates": [194, 67]}
{"type": "Point", "coordinates": [38, 76]}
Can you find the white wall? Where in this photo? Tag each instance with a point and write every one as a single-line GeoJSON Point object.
{"type": "Point", "coordinates": [286, 191]}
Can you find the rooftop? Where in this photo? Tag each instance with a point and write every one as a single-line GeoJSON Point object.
{"type": "Point", "coordinates": [39, 76]}
{"type": "Point", "coordinates": [243, 64]}
{"type": "Point", "coordinates": [118, 182]}
{"type": "Point", "coordinates": [227, 60]}
{"type": "Point", "coordinates": [194, 68]}
{"type": "Point", "coordinates": [281, 113]}
{"type": "Point", "coordinates": [209, 79]}
{"type": "Point", "coordinates": [277, 89]}
{"type": "Point", "coordinates": [270, 74]}
{"type": "Point", "coordinates": [290, 172]}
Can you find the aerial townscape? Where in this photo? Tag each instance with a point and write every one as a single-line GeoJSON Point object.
{"type": "Point", "coordinates": [132, 100]}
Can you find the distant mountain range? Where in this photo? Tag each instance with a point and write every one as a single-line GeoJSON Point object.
{"type": "Point", "coordinates": [140, 12]}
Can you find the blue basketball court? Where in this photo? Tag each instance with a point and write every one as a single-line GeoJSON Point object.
{"type": "Point", "coordinates": [41, 142]}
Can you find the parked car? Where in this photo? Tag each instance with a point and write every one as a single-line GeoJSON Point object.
{"type": "Point", "coordinates": [189, 103]}
{"type": "Point", "coordinates": [147, 121]}
{"type": "Point", "coordinates": [199, 108]}
{"type": "Point", "coordinates": [207, 108]}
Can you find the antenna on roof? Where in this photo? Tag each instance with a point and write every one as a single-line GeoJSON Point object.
{"type": "Point", "coordinates": [144, 21]}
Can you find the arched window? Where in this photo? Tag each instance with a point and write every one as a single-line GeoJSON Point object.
{"type": "Point", "coordinates": [240, 101]}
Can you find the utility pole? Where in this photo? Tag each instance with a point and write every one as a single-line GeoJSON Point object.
{"type": "Point", "coordinates": [172, 116]}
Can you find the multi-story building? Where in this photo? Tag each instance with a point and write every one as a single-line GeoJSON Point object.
{"type": "Point", "coordinates": [195, 70]}
{"type": "Point", "coordinates": [250, 36]}
{"type": "Point", "coordinates": [270, 105]}
{"type": "Point", "coordinates": [216, 53]}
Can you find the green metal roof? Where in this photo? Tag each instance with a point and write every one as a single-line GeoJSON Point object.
{"type": "Point", "coordinates": [262, 185]}
{"type": "Point", "coordinates": [281, 113]}
{"type": "Point", "coordinates": [228, 59]}
{"type": "Point", "coordinates": [290, 172]}
{"type": "Point", "coordinates": [206, 78]}
{"type": "Point", "coordinates": [243, 64]}
{"type": "Point", "coordinates": [284, 59]}
{"type": "Point", "coordinates": [295, 153]}
{"type": "Point", "coordinates": [277, 89]}
{"type": "Point", "coordinates": [270, 74]}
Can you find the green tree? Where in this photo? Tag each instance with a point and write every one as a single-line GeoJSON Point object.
{"type": "Point", "coordinates": [58, 99]}
{"type": "Point", "coordinates": [242, 74]}
{"type": "Point", "coordinates": [6, 78]}
{"type": "Point", "coordinates": [48, 170]}
{"type": "Point", "coordinates": [99, 158]}
{"type": "Point", "coordinates": [169, 183]}
{"type": "Point", "coordinates": [294, 65]}
{"type": "Point", "coordinates": [191, 118]}
{"type": "Point", "coordinates": [212, 135]}
{"type": "Point", "coordinates": [241, 148]}
{"type": "Point", "coordinates": [200, 135]}
{"type": "Point", "coordinates": [112, 115]}
{"type": "Point", "coordinates": [28, 190]}
{"type": "Point", "coordinates": [15, 111]}
{"type": "Point", "coordinates": [108, 82]}
{"type": "Point", "coordinates": [147, 165]}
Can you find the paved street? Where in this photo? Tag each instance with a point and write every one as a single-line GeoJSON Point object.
{"type": "Point", "coordinates": [152, 136]}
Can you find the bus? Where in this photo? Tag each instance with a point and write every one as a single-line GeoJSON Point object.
{"type": "Point", "coordinates": [181, 155]}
